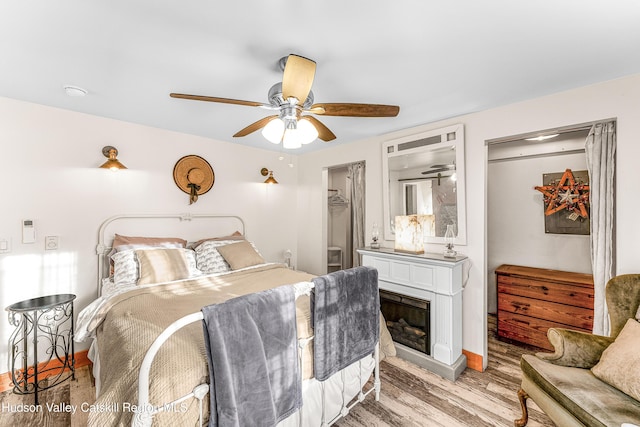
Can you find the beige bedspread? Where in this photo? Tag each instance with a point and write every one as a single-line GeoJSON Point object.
{"type": "Point", "coordinates": [139, 316]}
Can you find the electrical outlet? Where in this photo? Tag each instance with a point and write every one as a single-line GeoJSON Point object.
{"type": "Point", "coordinates": [5, 245]}
{"type": "Point", "coordinates": [51, 243]}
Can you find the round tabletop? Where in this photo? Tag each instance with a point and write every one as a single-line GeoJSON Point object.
{"type": "Point", "coordinates": [41, 303]}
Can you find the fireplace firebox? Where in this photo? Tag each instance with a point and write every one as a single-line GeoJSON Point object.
{"type": "Point", "coordinates": [407, 320]}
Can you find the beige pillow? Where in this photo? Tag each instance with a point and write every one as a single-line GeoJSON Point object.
{"type": "Point", "coordinates": [161, 265]}
{"type": "Point", "coordinates": [121, 243]}
{"type": "Point", "coordinates": [235, 236]}
{"type": "Point", "coordinates": [240, 255]}
{"type": "Point", "coordinates": [619, 364]}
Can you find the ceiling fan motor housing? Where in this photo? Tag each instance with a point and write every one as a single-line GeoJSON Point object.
{"type": "Point", "coordinates": [276, 99]}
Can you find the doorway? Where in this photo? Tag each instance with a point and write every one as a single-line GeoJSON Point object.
{"type": "Point", "coordinates": [345, 215]}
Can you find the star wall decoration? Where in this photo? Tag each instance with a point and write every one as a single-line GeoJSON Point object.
{"type": "Point", "coordinates": [567, 194]}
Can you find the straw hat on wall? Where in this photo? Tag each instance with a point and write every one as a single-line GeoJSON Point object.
{"type": "Point", "coordinates": [193, 175]}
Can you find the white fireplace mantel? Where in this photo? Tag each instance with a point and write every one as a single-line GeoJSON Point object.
{"type": "Point", "coordinates": [434, 278]}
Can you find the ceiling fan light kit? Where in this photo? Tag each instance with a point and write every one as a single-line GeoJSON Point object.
{"type": "Point", "coordinates": [293, 134]}
{"type": "Point", "coordinates": [290, 126]}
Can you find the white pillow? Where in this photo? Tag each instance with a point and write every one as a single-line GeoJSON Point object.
{"type": "Point", "coordinates": [125, 268]}
{"type": "Point", "coordinates": [209, 260]}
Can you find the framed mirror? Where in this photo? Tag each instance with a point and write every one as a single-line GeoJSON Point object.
{"type": "Point", "coordinates": [423, 174]}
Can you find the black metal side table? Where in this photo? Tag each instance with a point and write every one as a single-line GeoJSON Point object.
{"type": "Point", "coordinates": [46, 323]}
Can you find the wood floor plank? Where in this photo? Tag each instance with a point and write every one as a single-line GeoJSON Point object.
{"type": "Point", "coordinates": [82, 393]}
{"type": "Point", "coordinates": [20, 410]}
{"type": "Point", "coordinates": [461, 400]}
{"type": "Point", "coordinates": [423, 410]}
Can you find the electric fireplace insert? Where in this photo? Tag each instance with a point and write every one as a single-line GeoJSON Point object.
{"type": "Point", "coordinates": [407, 320]}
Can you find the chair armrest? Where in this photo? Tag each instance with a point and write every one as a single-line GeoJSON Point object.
{"type": "Point", "coordinates": [574, 348]}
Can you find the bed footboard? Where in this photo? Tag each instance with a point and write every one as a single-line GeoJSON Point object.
{"type": "Point", "coordinates": [145, 410]}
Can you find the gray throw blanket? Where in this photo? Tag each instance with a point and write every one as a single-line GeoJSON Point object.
{"type": "Point", "coordinates": [346, 318]}
{"type": "Point", "coordinates": [253, 361]}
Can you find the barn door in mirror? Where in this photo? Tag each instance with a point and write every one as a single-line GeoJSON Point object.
{"type": "Point", "coordinates": [423, 174]}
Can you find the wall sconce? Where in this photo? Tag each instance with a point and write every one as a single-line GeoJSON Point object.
{"type": "Point", "coordinates": [112, 163]}
{"type": "Point", "coordinates": [270, 179]}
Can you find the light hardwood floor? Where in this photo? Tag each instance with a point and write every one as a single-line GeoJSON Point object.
{"type": "Point", "coordinates": [411, 396]}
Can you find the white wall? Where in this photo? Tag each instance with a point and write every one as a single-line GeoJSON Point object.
{"type": "Point", "coordinates": [49, 174]}
{"type": "Point", "coordinates": [516, 221]}
{"type": "Point", "coordinates": [615, 99]}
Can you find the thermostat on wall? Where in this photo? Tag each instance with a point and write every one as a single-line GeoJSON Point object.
{"type": "Point", "coordinates": [28, 231]}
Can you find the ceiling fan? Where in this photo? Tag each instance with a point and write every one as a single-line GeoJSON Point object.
{"type": "Point", "coordinates": [439, 168]}
{"type": "Point", "coordinates": [293, 100]}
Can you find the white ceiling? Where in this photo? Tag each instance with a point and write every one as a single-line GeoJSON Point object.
{"type": "Point", "coordinates": [435, 59]}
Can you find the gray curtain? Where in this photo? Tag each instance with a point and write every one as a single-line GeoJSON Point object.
{"type": "Point", "coordinates": [600, 148]}
{"type": "Point", "coordinates": [356, 178]}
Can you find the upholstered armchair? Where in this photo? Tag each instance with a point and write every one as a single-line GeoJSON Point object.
{"type": "Point", "coordinates": [563, 383]}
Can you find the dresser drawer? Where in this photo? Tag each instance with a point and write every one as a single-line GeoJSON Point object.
{"type": "Point", "coordinates": [560, 314]}
{"type": "Point", "coordinates": [570, 294]}
{"type": "Point", "coordinates": [532, 300]}
{"type": "Point", "coordinates": [524, 329]}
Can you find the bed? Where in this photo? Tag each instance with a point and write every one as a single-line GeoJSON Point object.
{"type": "Point", "coordinates": [155, 287]}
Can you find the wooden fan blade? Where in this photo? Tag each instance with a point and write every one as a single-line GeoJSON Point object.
{"type": "Point", "coordinates": [298, 78]}
{"type": "Point", "coordinates": [254, 126]}
{"type": "Point", "coordinates": [356, 110]}
{"type": "Point", "coordinates": [215, 99]}
{"type": "Point", "coordinates": [323, 132]}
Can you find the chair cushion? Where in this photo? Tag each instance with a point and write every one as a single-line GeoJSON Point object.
{"type": "Point", "coordinates": [592, 401]}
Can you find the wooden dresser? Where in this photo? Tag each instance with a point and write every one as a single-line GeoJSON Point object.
{"type": "Point", "coordinates": [532, 300]}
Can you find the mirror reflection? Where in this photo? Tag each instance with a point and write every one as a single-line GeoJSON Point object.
{"type": "Point", "coordinates": [425, 184]}
{"type": "Point", "coordinates": [423, 178]}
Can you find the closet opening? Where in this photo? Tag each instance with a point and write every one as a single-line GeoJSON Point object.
{"type": "Point", "coordinates": [546, 191]}
{"type": "Point", "coordinates": [345, 216]}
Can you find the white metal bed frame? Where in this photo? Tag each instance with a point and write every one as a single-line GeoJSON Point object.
{"type": "Point", "coordinates": [145, 410]}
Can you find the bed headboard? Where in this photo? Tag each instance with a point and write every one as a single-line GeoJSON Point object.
{"type": "Point", "coordinates": [191, 227]}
